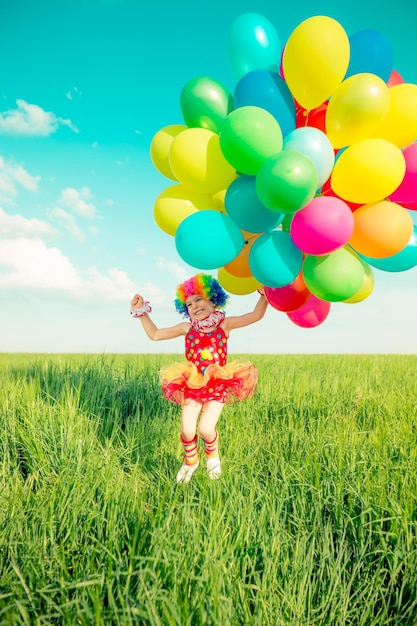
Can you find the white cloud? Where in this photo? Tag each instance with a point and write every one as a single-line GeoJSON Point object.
{"type": "Point", "coordinates": [68, 222]}
{"type": "Point", "coordinates": [17, 226]}
{"type": "Point", "coordinates": [31, 120]}
{"type": "Point", "coordinates": [178, 271]}
{"type": "Point", "coordinates": [12, 176]}
{"type": "Point", "coordinates": [35, 267]}
{"type": "Point", "coordinates": [77, 201]}
{"type": "Point", "coordinates": [72, 93]}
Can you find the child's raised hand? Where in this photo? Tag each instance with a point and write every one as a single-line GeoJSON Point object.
{"type": "Point", "coordinates": [137, 301]}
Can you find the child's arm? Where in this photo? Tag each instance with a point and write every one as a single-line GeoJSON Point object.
{"type": "Point", "coordinates": [238, 321]}
{"type": "Point", "coordinates": [153, 332]}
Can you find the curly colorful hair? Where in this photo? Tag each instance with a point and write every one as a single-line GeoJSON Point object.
{"type": "Point", "coordinates": [203, 285]}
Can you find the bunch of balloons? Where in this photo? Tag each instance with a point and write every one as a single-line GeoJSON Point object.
{"type": "Point", "coordinates": [304, 178]}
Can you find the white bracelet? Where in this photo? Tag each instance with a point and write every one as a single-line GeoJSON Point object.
{"type": "Point", "coordinates": [142, 311]}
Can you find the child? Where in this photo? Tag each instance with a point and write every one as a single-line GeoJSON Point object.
{"type": "Point", "coordinates": [206, 382]}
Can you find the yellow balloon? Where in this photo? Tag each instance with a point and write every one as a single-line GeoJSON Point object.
{"type": "Point", "coordinates": [356, 108]}
{"type": "Point", "coordinates": [160, 146]}
{"type": "Point", "coordinates": [366, 288]}
{"type": "Point", "coordinates": [400, 125]}
{"type": "Point", "coordinates": [218, 199]}
{"type": "Point", "coordinates": [236, 284]}
{"type": "Point", "coordinates": [368, 171]}
{"type": "Point", "coordinates": [197, 161]}
{"type": "Point", "coordinates": [315, 60]}
{"type": "Point", "coordinates": [176, 203]}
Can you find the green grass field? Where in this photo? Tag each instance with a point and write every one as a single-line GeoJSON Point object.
{"type": "Point", "coordinates": [313, 521]}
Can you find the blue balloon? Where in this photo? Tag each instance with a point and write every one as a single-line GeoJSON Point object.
{"type": "Point", "coordinates": [252, 44]}
{"type": "Point", "coordinates": [246, 210]}
{"type": "Point", "coordinates": [400, 262]}
{"type": "Point", "coordinates": [268, 91]}
{"type": "Point", "coordinates": [370, 52]}
{"type": "Point", "coordinates": [208, 240]}
{"type": "Point", "coordinates": [274, 260]}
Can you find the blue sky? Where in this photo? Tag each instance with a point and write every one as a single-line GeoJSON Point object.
{"type": "Point", "coordinates": [84, 87]}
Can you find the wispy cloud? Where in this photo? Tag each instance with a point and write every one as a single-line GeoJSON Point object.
{"type": "Point", "coordinates": [178, 271]}
{"type": "Point", "coordinates": [31, 120]}
{"type": "Point", "coordinates": [29, 264]}
{"type": "Point", "coordinates": [19, 226]}
{"type": "Point", "coordinates": [72, 93]}
{"type": "Point", "coordinates": [78, 201]}
{"type": "Point", "coordinates": [13, 175]}
{"type": "Point", "coordinates": [67, 221]}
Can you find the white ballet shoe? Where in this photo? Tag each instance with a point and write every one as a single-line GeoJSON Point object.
{"type": "Point", "coordinates": [214, 468]}
{"type": "Point", "coordinates": [185, 472]}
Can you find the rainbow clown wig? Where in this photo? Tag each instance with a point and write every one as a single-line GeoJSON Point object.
{"type": "Point", "coordinates": [203, 285]}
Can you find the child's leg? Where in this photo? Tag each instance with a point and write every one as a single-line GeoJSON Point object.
{"type": "Point", "coordinates": [207, 428]}
{"type": "Point", "coordinates": [188, 437]}
{"type": "Point", "coordinates": [189, 416]}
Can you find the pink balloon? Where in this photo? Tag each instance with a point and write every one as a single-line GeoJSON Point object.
{"type": "Point", "coordinates": [407, 189]}
{"type": "Point", "coordinates": [290, 297]}
{"type": "Point", "coordinates": [311, 314]}
{"type": "Point", "coordinates": [322, 226]}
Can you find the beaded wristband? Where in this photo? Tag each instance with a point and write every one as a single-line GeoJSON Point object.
{"type": "Point", "coordinates": [142, 311]}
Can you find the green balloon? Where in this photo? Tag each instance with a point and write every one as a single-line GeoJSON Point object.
{"type": "Point", "coordinates": [334, 277]}
{"type": "Point", "coordinates": [286, 182]}
{"type": "Point", "coordinates": [286, 222]}
{"type": "Point", "coordinates": [205, 103]}
{"type": "Point", "coordinates": [249, 136]}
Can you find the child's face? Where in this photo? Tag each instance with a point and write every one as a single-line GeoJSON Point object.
{"type": "Point", "coordinates": [198, 307]}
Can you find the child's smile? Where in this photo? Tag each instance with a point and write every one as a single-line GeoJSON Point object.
{"type": "Point", "coordinates": [199, 307]}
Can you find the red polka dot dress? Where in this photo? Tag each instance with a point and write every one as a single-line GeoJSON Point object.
{"type": "Point", "coordinates": [206, 375]}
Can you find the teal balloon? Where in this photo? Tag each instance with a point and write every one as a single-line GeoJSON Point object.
{"type": "Point", "coordinates": [205, 103]}
{"type": "Point", "coordinates": [334, 277]}
{"type": "Point", "coordinates": [252, 44]}
{"type": "Point", "coordinates": [246, 210]}
{"type": "Point", "coordinates": [315, 145]}
{"type": "Point", "coordinates": [274, 260]}
{"type": "Point", "coordinates": [270, 92]}
{"type": "Point", "coordinates": [370, 52]}
{"type": "Point", "coordinates": [404, 260]}
{"type": "Point", "coordinates": [208, 240]}
{"type": "Point", "coordinates": [248, 137]}
{"type": "Point", "coordinates": [286, 182]}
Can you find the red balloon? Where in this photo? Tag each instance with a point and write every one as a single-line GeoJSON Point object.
{"type": "Point", "coordinates": [290, 297]}
{"type": "Point", "coordinates": [395, 79]}
{"type": "Point", "coordinates": [311, 314]}
{"type": "Point", "coordinates": [410, 206]}
{"type": "Point", "coordinates": [315, 117]}
{"type": "Point", "coordinates": [327, 190]}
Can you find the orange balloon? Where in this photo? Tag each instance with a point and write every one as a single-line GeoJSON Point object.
{"type": "Point", "coordinates": [240, 264]}
{"type": "Point", "coordinates": [381, 229]}
{"type": "Point", "coordinates": [236, 284]}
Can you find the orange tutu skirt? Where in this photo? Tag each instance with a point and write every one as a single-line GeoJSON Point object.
{"type": "Point", "coordinates": [229, 383]}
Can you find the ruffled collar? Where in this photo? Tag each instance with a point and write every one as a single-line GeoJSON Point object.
{"type": "Point", "coordinates": [214, 319]}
